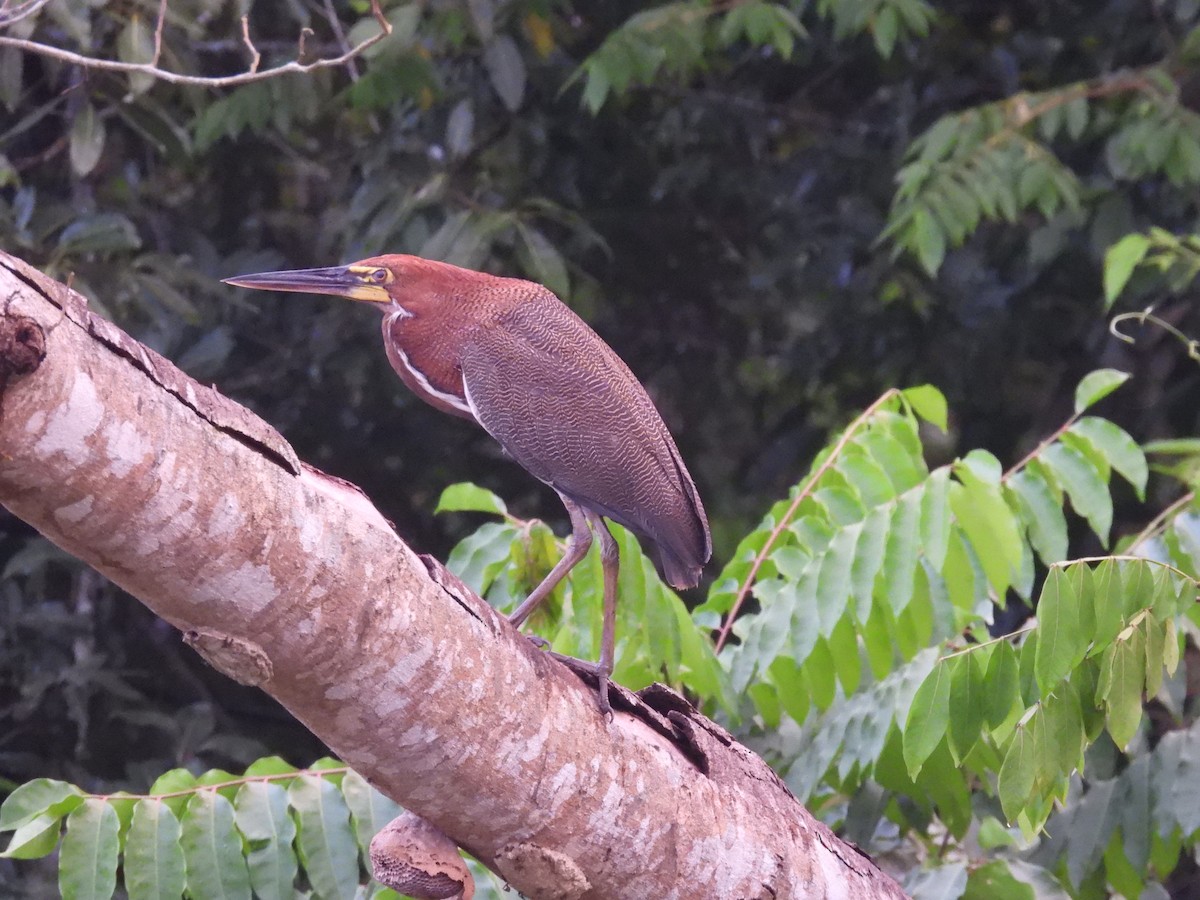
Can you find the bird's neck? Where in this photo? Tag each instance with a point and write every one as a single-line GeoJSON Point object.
{"type": "Point", "coordinates": [425, 351]}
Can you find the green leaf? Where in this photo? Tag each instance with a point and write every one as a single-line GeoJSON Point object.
{"type": "Point", "coordinates": [212, 849]}
{"type": "Point", "coordinates": [866, 477]}
{"type": "Point", "coordinates": [843, 647]}
{"type": "Point", "coordinates": [1019, 771]}
{"type": "Point", "coordinates": [326, 841]}
{"type": "Point", "coordinates": [935, 517]}
{"type": "Point", "coordinates": [996, 881]}
{"type": "Point", "coordinates": [506, 68]}
{"type": "Point", "coordinates": [42, 796]}
{"type": "Point", "coordinates": [369, 809]}
{"type": "Point", "coordinates": [172, 782]}
{"type": "Point", "coordinates": [1153, 631]}
{"type": "Point", "coordinates": [1119, 262]}
{"type": "Point", "coordinates": [833, 580]}
{"type": "Point", "coordinates": [1003, 684]}
{"type": "Point", "coordinates": [885, 29]}
{"type": "Point", "coordinates": [1061, 643]}
{"type": "Point", "coordinates": [87, 140]}
{"type": "Point", "coordinates": [135, 44]}
{"type": "Point", "coordinates": [1109, 604]}
{"type": "Point", "coordinates": [927, 718]}
{"type": "Point", "coordinates": [969, 694]}
{"type": "Point", "coordinates": [868, 560]}
{"type": "Point", "coordinates": [36, 838]}
{"type": "Point", "coordinates": [479, 557]}
{"type": "Point", "coordinates": [1121, 451]}
{"type": "Point", "coordinates": [1097, 385]}
{"type": "Point", "coordinates": [545, 263]}
{"type": "Point", "coordinates": [261, 813]}
{"type": "Point", "coordinates": [1122, 674]}
{"type": "Point", "coordinates": [929, 403]}
{"type": "Point", "coordinates": [990, 525]}
{"type": "Point", "coordinates": [928, 240]}
{"type": "Point", "coordinates": [1083, 484]}
{"type": "Point", "coordinates": [154, 864]}
{"type": "Point", "coordinates": [900, 555]}
{"type": "Point", "coordinates": [467, 497]}
{"type": "Point", "coordinates": [1041, 514]}
{"type": "Point", "coordinates": [87, 864]}
{"type": "Point", "coordinates": [271, 765]}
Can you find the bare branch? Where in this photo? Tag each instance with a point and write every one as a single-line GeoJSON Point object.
{"type": "Point", "coordinates": [220, 81]}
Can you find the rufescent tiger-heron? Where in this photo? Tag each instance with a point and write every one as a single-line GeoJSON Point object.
{"type": "Point", "coordinates": [509, 355]}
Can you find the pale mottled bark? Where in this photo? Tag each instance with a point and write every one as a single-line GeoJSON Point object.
{"type": "Point", "coordinates": [290, 579]}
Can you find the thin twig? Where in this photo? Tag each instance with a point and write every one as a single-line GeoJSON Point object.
{"type": "Point", "coordinates": [248, 77]}
{"type": "Point", "coordinates": [22, 11]}
{"type": "Point", "coordinates": [158, 32]}
{"type": "Point", "coordinates": [1127, 557]}
{"type": "Point", "coordinates": [1028, 626]}
{"type": "Point", "coordinates": [255, 56]}
{"type": "Point", "coordinates": [1036, 451]}
{"type": "Point", "coordinates": [800, 497]}
{"type": "Point", "coordinates": [339, 33]}
{"type": "Point", "coordinates": [1147, 315]}
{"type": "Point", "coordinates": [1160, 520]}
{"type": "Point", "coordinates": [302, 46]}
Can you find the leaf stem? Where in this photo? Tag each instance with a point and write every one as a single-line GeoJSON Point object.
{"type": "Point", "coordinates": [236, 782]}
{"type": "Point", "coordinates": [800, 497]}
{"type": "Point", "coordinates": [1158, 522]}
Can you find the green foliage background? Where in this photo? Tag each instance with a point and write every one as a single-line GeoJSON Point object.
{"type": "Point", "coordinates": [776, 212]}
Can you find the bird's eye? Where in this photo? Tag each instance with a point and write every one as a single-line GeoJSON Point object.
{"type": "Point", "coordinates": [379, 276]}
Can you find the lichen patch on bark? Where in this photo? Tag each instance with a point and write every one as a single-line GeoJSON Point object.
{"type": "Point", "coordinates": [67, 428]}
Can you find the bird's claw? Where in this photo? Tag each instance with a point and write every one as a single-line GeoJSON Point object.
{"type": "Point", "coordinates": [540, 642]}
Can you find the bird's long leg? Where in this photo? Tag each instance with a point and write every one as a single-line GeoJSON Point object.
{"type": "Point", "coordinates": [610, 562]}
{"type": "Point", "coordinates": [577, 548]}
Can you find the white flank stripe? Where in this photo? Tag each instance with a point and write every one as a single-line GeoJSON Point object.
{"type": "Point", "coordinates": [425, 385]}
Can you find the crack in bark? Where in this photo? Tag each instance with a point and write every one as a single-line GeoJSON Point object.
{"type": "Point", "coordinates": [451, 584]}
{"type": "Point", "coordinates": [223, 414]}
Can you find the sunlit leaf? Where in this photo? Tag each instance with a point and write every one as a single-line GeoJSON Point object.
{"type": "Point", "coordinates": [261, 813]}
{"type": "Point", "coordinates": [467, 497]}
{"type": "Point", "coordinates": [154, 862]}
{"type": "Point", "coordinates": [1097, 385]}
{"type": "Point", "coordinates": [1119, 262]}
{"type": "Point", "coordinates": [325, 838]}
{"type": "Point", "coordinates": [87, 864]}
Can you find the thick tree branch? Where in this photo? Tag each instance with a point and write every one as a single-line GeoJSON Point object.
{"type": "Point", "coordinates": [284, 577]}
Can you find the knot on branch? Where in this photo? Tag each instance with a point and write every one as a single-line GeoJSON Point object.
{"type": "Point", "coordinates": [413, 857]}
{"type": "Point", "coordinates": [244, 661]}
{"type": "Point", "coordinates": [542, 872]}
{"type": "Point", "coordinates": [22, 347]}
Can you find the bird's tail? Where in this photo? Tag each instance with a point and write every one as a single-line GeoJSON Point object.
{"type": "Point", "coordinates": [678, 572]}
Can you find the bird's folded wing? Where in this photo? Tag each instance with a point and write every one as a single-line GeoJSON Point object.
{"type": "Point", "coordinates": [566, 408]}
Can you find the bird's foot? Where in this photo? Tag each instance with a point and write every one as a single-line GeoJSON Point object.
{"type": "Point", "coordinates": [540, 642]}
{"type": "Point", "coordinates": [583, 667]}
{"type": "Point", "coordinates": [601, 673]}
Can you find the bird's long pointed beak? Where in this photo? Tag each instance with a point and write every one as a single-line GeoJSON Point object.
{"type": "Point", "coordinates": [339, 281]}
